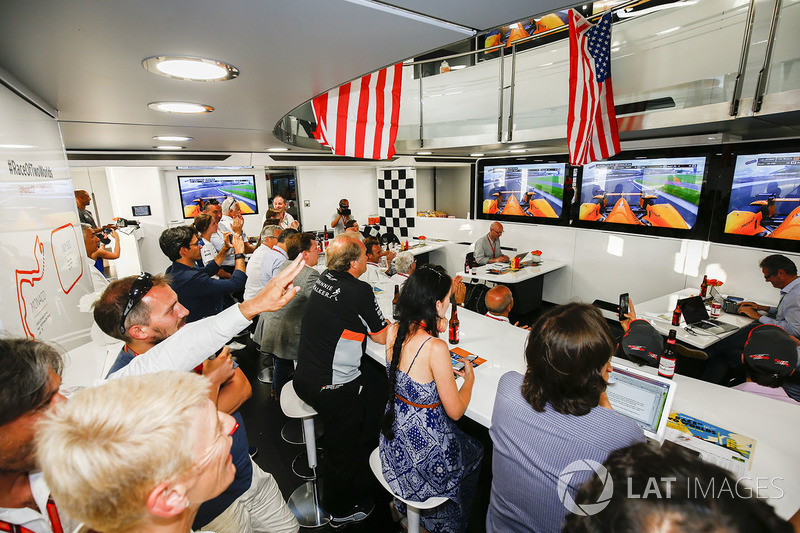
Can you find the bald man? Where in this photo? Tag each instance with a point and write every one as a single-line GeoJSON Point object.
{"type": "Point", "coordinates": [499, 303]}
{"type": "Point", "coordinates": [487, 248]}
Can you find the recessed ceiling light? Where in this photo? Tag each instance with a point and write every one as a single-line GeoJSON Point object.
{"type": "Point", "coordinates": [424, 153]}
{"type": "Point", "coordinates": [457, 67]}
{"type": "Point", "coordinates": [180, 107]}
{"type": "Point", "coordinates": [519, 151]}
{"type": "Point", "coordinates": [277, 149]}
{"type": "Point", "coordinates": [190, 68]}
{"type": "Point", "coordinates": [172, 138]}
{"type": "Point", "coordinates": [17, 146]}
{"type": "Point", "coordinates": [477, 154]}
{"type": "Point", "coordinates": [163, 147]}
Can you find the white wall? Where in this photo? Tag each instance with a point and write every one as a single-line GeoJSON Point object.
{"type": "Point", "coordinates": [425, 189]}
{"type": "Point", "coordinates": [323, 187]}
{"type": "Point", "coordinates": [130, 186]}
{"type": "Point", "coordinates": [601, 265]}
{"type": "Point", "coordinates": [452, 190]}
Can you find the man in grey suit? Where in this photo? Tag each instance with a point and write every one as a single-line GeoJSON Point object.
{"type": "Point", "coordinates": [279, 332]}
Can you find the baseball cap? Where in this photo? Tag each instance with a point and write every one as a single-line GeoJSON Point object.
{"type": "Point", "coordinates": [770, 350]}
{"type": "Point", "coordinates": [642, 343]}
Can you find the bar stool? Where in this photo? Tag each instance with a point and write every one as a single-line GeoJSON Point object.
{"type": "Point", "coordinates": [304, 501]}
{"type": "Point", "coordinates": [413, 508]}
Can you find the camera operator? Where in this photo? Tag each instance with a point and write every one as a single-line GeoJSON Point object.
{"type": "Point", "coordinates": [341, 216]}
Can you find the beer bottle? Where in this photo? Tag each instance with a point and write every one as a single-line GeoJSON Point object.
{"type": "Point", "coordinates": [454, 326]}
{"type": "Point", "coordinates": [676, 315]}
{"type": "Point", "coordinates": [394, 301]}
{"type": "Point", "coordinates": [466, 266]}
{"type": "Point", "coordinates": [704, 287]}
{"type": "Point", "coordinates": [325, 237]}
{"type": "Point", "coordinates": [666, 363]}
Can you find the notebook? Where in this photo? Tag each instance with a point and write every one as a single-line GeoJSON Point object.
{"type": "Point", "coordinates": [695, 314]}
{"type": "Point", "coordinates": [644, 398]}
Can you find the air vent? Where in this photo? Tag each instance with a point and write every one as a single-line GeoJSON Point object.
{"type": "Point", "coordinates": [94, 156]}
{"type": "Point", "coordinates": [321, 158]}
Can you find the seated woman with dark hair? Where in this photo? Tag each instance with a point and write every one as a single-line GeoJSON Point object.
{"type": "Point", "coordinates": [422, 451]}
{"type": "Point", "coordinates": [558, 413]}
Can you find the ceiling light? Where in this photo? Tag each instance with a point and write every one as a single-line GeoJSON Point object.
{"type": "Point", "coordinates": [413, 15]}
{"type": "Point", "coordinates": [277, 149]}
{"type": "Point", "coordinates": [180, 107]}
{"type": "Point", "coordinates": [668, 31]}
{"type": "Point", "coordinates": [457, 67]}
{"type": "Point", "coordinates": [17, 146]}
{"type": "Point", "coordinates": [190, 68]}
{"type": "Point", "coordinates": [172, 138]}
{"type": "Point", "coordinates": [424, 153]}
{"type": "Point", "coordinates": [164, 147]}
{"type": "Point", "coordinates": [477, 154]}
{"type": "Point", "coordinates": [519, 151]}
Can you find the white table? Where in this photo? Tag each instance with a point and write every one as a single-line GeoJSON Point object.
{"type": "Point", "coordinates": [656, 309]}
{"type": "Point", "coordinates": [774, 425]}
{"type": "Point", "coordinates": [526, 284]}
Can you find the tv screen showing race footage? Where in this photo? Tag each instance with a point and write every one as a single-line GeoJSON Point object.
{"type": "Point", "coordinates": [527, 190]}
{"type": "Point", "coordinates": [654, 192]}
{"type": "Point", "coordinates": [197, 190]}
{"type": "Point", "coordinates": [765, 196]}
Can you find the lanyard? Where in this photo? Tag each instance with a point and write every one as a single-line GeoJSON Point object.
{"type": "Point", "coordinates": [52, 512]}
{"type": "Point", "coordinates": [492, 246]}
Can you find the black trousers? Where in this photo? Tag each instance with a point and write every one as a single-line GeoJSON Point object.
{"type": "Point", "coordinates": [351, 415]}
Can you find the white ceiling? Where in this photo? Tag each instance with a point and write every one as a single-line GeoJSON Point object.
{"type": "Point", "coordinates": [83, 57]}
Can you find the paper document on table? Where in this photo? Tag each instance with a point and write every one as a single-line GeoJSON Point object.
{"type": "Point", "coordinates": [458, 353]}
{"type": "Point", "coordinates": [731, 451]}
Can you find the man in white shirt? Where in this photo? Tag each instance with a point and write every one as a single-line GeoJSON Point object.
{"type": "Point", "coordinates": [230, 221]}
{"type": "Point", "coordinates": [286, 220]}
{"type": "Point", "coordinates": [92, 243]}
{"type": "Point", "coordinates": [30, 376]}
{"type": "Point", "coordinates": [499, 303]}
{"type": "Point", "coordinates": [375, 272]}
{"type": "Point", "coordinates": [341, 217]}
{"type": "Point", "coordinates": [274, 258]}
{"type": "Point", "coordinates": [269, 237]}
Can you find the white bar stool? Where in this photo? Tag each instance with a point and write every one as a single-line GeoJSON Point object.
{"type": "Point", "coordinates": [304, 501]}
{"type": "Point", "coordinates": [413, 508]}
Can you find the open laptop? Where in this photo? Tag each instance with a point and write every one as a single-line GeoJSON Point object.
{"type": "Point", "coordinates": [644, 398]}
{"type": "Point", "coordinates": [696, 316]}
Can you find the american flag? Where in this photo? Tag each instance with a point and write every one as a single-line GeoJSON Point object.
{"type": "Point", "coordinates": [359, 118]}
{"type": "Point", "coordinates": [592, 124]}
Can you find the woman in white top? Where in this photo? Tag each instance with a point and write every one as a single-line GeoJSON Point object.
{"type": "Point", "coordinates": [205, 225]}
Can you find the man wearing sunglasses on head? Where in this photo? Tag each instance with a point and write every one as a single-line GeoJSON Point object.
{"type": "Point", "coordinates": [144, 312]}
{"type": "Point", "coordinates": [781, 272]}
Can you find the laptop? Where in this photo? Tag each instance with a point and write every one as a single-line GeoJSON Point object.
{"type": "Point", "coordinates": [696, 316]}
{"type": "Point", "coordinates": [644, 398]}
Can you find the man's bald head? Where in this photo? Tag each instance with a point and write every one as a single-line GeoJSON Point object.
{"type": "Point", "coordinates": [499, 300]}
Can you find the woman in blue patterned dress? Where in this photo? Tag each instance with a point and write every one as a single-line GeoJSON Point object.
{"type": "Point", "coordinates": [423, 452]}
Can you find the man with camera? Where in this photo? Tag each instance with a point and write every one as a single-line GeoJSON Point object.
{"type": "Point", "coordinates": [342, 215]}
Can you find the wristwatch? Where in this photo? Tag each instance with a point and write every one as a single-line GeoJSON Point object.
{"type": "Point", "coordinates": [238, 256]}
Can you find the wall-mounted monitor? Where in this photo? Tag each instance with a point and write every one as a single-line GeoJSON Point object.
{"type": "Point", "coordinates": [643, 193]}
{"type": "Point", "coordinates": [765, 196]}
{"type": "Point", "coordinates": [195, 191]}
{"type": "Point", "coordinates": [525, 189]}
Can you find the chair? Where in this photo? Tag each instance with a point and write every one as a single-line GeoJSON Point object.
{"type": "Point", "coordinates": [304, 501]}
{"type": "Point", "coordinates": [389, 238]}
{"type": "Point", "coordinates": [413, 508]}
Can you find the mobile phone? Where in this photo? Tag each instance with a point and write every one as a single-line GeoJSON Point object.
{"type": "Point", "coordinates": [623, 305]}
{"type": "Point", "coordinates": [458, 366]}
{"type": "Point", "coordinates": [230, 240]}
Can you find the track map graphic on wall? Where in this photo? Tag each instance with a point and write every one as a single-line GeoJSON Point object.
{"type": "Point", "coordinates": [765, 196]}
{"type": "Point", "coordinates": [535, 190]}
{"type": "Point", "coordinates": [650, 192]}
{"type": "Point", "coordinates": [197, 190]}
{"type": "Point", "coordinates": [44, 268]}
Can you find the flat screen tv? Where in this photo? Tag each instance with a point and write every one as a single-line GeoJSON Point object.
{"type": "Point", "coordinates": [765, 197]}
{"type": "Point", "coordinates": [197, 190]}
{"type": "Point", "coordinates": [524, 189]}
{"type": "Point", "coordinates": [643, 193]}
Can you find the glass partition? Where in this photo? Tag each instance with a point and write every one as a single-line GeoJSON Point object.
{"type": "Point", "coordinates": [784, 70]}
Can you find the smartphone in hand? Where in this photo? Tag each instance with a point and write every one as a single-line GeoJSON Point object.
{"type": "Point", "coordinates": [623, 305]}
